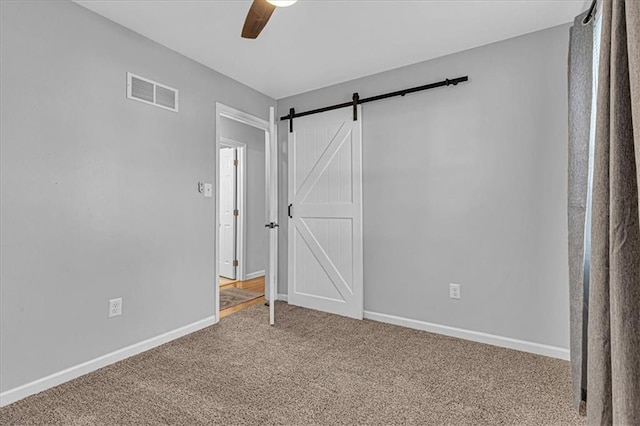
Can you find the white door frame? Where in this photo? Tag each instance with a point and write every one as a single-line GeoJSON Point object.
{"type": "Point", "coordinates": [241, 202]}
{"type": "Point", "coordinates": [271, 195]}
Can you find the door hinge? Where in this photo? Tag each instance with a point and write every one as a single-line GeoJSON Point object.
{"type": "Point", "coordinates": [235, 163]}
{"type": "Point", "coordinates": [236, 212]}
{"type": "Point", "coordinates": [235, 263]}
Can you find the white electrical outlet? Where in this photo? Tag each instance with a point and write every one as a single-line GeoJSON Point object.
{"type": "Point", "coordinates": [115, 307]}
{"type": "Point", "coordinates": [454, 291]}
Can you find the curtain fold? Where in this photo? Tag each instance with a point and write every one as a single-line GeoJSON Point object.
{"type": "Point", "coordinates": [613, 364]}
{"type": "Point", "coordinates": [580, 78]}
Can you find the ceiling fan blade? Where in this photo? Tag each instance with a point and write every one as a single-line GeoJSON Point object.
{"type": "Point", "coordinates": [257, 18]}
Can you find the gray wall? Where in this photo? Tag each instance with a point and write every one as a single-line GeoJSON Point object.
{"type": "Point", "coordinates": [99, 194]}
{"type": "Point", "coordinates": [255, 234]}
{"type": "Point", "coordinates": [464, 185]}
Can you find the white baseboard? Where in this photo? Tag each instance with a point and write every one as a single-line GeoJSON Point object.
{"type": "Point", "coordinates": [476, 336]}
{"type": "Point", "coordinates": [283, 297]}
{"type": "Point", "coordinates": [254, 275]}
{"type": "Point", "coordinates": [15, 394]}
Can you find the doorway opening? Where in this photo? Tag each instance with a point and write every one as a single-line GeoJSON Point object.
{"type": "Point", "coordinates": [242, 256]}
{"type": "Point", "coordinates": [245, 194]}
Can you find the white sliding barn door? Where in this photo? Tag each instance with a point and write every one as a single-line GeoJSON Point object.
{"type": "Point", "coordinates": [325, 223]}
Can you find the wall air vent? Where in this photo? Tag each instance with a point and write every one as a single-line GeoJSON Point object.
{"type": "Point", "coordinates": [152, 93]}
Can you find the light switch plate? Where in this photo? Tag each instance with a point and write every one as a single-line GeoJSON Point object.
{"type": "Point", "coordinates": [208, 190]}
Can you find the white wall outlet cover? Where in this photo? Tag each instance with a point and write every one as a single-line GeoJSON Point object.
{"type": "Point", "coordinates": [115, 307]}
{"type": "Point", "coordinates": [454, 291]}
{"type": "Point", "coordinates": [201, 187]}
{"type": "Point", "coordinates": [208, 190]}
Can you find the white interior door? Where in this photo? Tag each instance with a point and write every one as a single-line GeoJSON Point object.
{"type": "Point", "coordinates": [325, 221]}
{"type": "Point", "coordinates": [272, 215]}
{"type": "Point", "coordinates": [228, 197]}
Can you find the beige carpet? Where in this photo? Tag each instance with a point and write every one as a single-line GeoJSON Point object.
{"type": "Point", "coordinates": [234, 296]}
{"type": "Point", "coordinates": [312, 368]}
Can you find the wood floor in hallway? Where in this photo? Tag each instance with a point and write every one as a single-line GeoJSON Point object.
{"type": "Point", "coordinates": [256, 284]}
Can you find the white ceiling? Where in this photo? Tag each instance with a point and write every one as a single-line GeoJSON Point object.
{"type": "Point", "coordinates": [316, 43]}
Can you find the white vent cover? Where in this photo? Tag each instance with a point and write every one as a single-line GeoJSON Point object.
{"type": "Point", "coordinates": [148, 91]}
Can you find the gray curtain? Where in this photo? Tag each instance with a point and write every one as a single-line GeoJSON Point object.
{"type": "Point", "coordinates": [580, 95]}
{"type": "Point", "coordinates": [613, 364]}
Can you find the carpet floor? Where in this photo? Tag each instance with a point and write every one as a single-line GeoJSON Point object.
{"type": "Point", "coordinates": [311, 368]}
{"type": "Point", "coordinates": [234, 296]}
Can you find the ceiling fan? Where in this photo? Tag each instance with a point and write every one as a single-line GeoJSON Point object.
{"type": "Point", "coordinates": [259, 15]}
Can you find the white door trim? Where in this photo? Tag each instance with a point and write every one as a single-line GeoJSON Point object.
{"type": "Point", "coordinates": [225, 111]}
{"type": "Point", "coordinates": [241, 202]}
